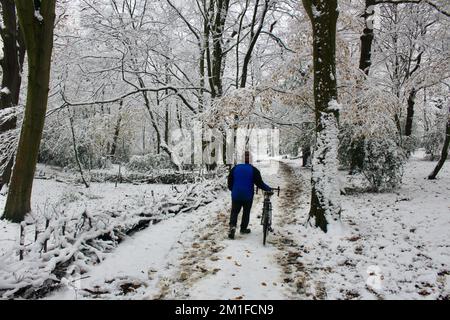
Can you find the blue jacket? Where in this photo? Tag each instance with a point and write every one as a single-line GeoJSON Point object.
{"type": "Point", "coordinates": [241, 180]}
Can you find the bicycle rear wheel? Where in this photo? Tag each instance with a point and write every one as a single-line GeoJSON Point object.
{"type": "Point", "coordinates": [265, 227]}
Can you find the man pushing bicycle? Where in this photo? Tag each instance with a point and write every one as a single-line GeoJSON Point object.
{"type": "Point", "coordinates": [241, 180]}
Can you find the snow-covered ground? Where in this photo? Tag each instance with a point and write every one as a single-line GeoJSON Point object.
{"type": "Point", "coordinates": [390, 246]}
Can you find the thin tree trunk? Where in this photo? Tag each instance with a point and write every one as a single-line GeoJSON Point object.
{"type": "Point", "coordinates": [152, 116]}
{"type": "Point", "coordinates": [238, 40]}
{"type": "Point", "coordinates": [113, 151]}
{"type": "Point", "coordinates": [325, 206]}
{"type": "Point", "coordinates": [306, 154]}
{"type": "Point", "coordinates": [444, 153]}
{"type": "Point", "coordinates": [166, 125]}
{"type": "Point", "coordinates": [365, 59]}
{"type": "Point", "coordinates": [167, 111]}
{"type": "Point", "coordinates": [207, 24]}
{"type": "Point", "coordinates": [75, 150]}
{"type": "Point", "coordinates": [179, 117]}
{"type": "Point", "coordinates": [143, 139]}
{"type": "Point", "coordinates": [115, 137]}
{"type": "Point", "coordinates": [201, 100]}
{"type": "Point", "coordinates": [410, 112]}
{"type": "Point", "coordinates": [38, 34]}
{"type": "Point", "coordinates": [155, 124]}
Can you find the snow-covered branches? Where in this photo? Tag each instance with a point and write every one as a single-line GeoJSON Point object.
{"type": "Point", "coordinates": [65, 241]}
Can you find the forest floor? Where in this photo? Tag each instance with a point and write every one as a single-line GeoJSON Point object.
{"type": "Point", "coordinates": [391, 246]}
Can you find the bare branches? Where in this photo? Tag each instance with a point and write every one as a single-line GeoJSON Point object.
{"type": "Point", "coordinates": [254, 37]}
{"type": "Point", "coordinates": [434, 4]}
{"type": "Point", "coordinates": [193, 29]}
{"type": "Point", "coordinates": [121, 97]}
{"type": "Point", "coordinates": [278, 41]}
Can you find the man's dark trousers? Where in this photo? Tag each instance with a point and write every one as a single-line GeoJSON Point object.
{"type": "Point", "coordinates": [236, 206]}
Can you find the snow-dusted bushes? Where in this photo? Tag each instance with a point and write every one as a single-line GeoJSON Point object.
{"type": "Point", "coordinates": [369, 130]}
{"type": "Point", "coordinates": [383, 163]}
{"type": "Point", "coordinates": [434, 134]}
{"type": "Point", "coordinates": [411, 143]}
{"type": "Point", "coordinates": [349, 146]}
{"type": "Point", "coordinates": [431, 141]}
{"type": "Point", "coordinates": [150, 163]}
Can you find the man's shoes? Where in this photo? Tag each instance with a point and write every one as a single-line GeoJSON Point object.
{"type": "Point", "coordinates": [245, 231]}
{"type": "Point", "coordinates": [231, 233]}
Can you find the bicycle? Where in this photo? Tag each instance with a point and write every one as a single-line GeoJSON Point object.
{"type": "Point", "coordinates": [266, 217]}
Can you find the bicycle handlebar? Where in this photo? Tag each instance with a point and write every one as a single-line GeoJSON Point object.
{"type": "Point", "coordinates": [278, 191]}
{"type": "Point", "coordinates": [272, 192]}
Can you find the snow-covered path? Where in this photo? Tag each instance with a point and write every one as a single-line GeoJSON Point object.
{"type": "Point", "coordinates": [191, 257]}
{"type": "Point", "coordinates": [245, 269]}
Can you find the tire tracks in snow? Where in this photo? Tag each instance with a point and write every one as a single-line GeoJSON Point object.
{"type": "Point", "coordinates": [294, 196]}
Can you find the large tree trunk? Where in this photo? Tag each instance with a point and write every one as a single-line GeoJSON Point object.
{"type": "Point", "coordinates": [37, 26]}
{"type": "Point", "coordinates": [444, 153]}
{"type": "Point", "coordinates": [325, 206]}
{"type": "Point", "coordinates": [11, 64]}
